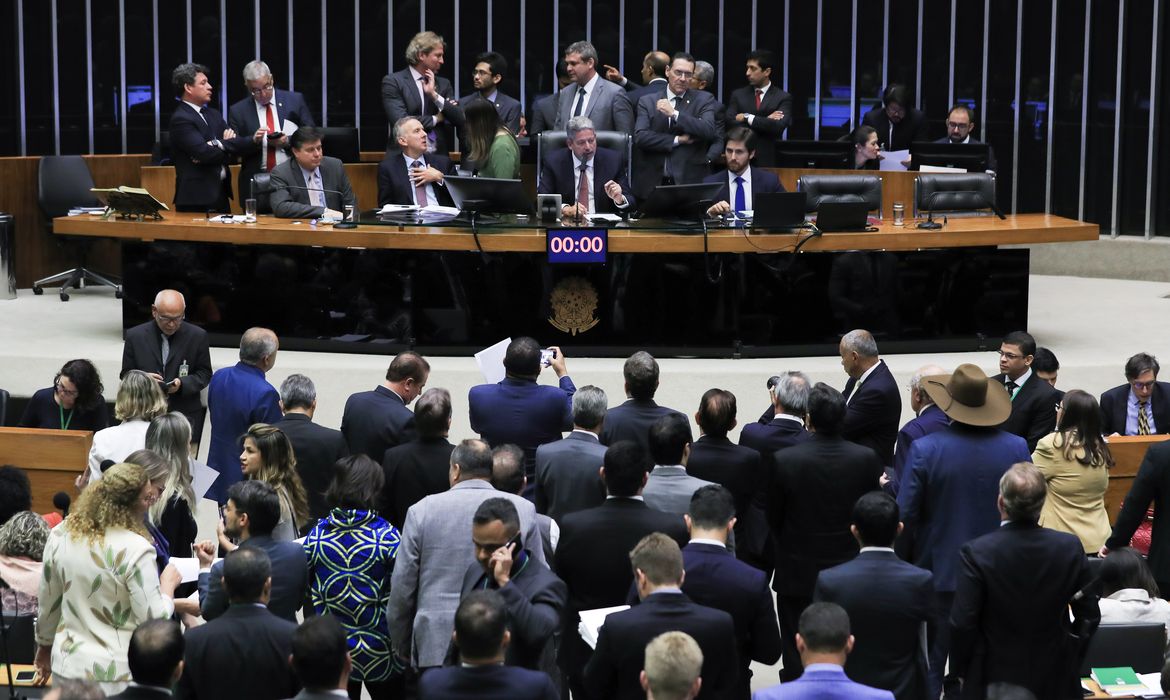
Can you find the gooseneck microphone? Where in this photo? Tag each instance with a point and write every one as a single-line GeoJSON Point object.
{"type": "Point", "coordinates": [340, 224]}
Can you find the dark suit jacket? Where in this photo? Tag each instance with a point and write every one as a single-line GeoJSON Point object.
{"type": "Point", "coordinates": [613, 671]}
{"type": "Point", "coordinates": [544, 114]}
{"type": "Point", "coordinates": [243, 119]}
{"type": "Point", "coordinates": [557, 177]}
{"type": "Point", "coordinates": [142, 692]}
{"type": "Point", "coordinates": [592, 558]}
{"type": "Point", "coordinates": [931, 420]}
{"type": "Point", "coordinates": [508, 108]}
{"type": "Point", "coordinates": [654, 140]}
{"type": "Point", "coordinates": [485, 683]}
{"type": "Point", "coordinates": [400, 98]}
{"type": "Point", "coordinates": [912, 128]}
{"type": "Point", "coordinates": [414, 470]}
{"type": "Point", "coordinates": [716, 579]}
{"type": "Point", "coordinates": [188, 346]}
{"type": "Point", "coordinates": [889, 606]}
{"type": "Point", "coordinates": [290, 577]}
{"type": "Point", "coordinates": [243, 654]}
{"type": "Point", "coordinates": [1152, 485]}
{"type": "Point", "coordinates": [992, 164]}
{"type": "Point", "coordinates": [567, 478]}
{"type": "Point", "coordinates": [523, 413]}
{"type": "Point", "coordinates": [774, 435]}
{"type": "Point", "coordinates": [768, 131]}
{"type": "Point", "coordinates": [1115, 403]}
{"type": "Point", "coordinates": [198, 164]}
{"type": "Point", "coordinates": [394, 180]}
{"type": "Point", "coordinates": [637, 92]}
{"type": "Point", "coordinates": [237, 397]}
{"type": "Point", "coordinates": [317, 449]}
{"type": "Point", "coordinates": [290, 201]}
{"type": "Point", "coordinates": [632, 421]}
{"type": "Point", "coordinates": [1033, 410]}
{"type": "Point", "coordinates": [374, 421]}
{"type": "Point", "coordinates": [872, 416]}
{"type": "Point", "coordinates": [737, 468]}
{"type": "Point", "coordinates": [763, 182]}
{"type": "Point", "coordinates": [1010, 621]}
{"type": "Point", "coordinates": [810, 507]}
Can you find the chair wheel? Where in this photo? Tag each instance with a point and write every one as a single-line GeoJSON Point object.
{"type": "Point", "coordinates": [38, 290]}
{"type": "Point", "coordinates": [117, 292]}
{"type": "Point", "coordinates": [64, 296]}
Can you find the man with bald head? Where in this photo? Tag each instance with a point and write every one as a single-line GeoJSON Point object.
{"type": "Point", "coordinates": [871, 396]}
{"type": "Point", "coordinates": [174, 353]}
{"type": "Point", "coordinates": [238, 397]}
{"type": "Point", "coordinates": [928, 418]}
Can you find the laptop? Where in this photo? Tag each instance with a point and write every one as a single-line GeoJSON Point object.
{"type": "Point", "coordinates": [778, 210]}
{"type": "Point", "coordinates": [842, 216]}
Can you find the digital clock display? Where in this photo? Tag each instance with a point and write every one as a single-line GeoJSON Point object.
{"type": "Point", "coordinates": [577, 245]}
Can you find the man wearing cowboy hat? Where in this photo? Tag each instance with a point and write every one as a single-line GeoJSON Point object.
{"type": "Point", "coordinates": [950, 489]}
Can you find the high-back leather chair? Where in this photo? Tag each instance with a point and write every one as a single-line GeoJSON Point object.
{"type": "Point", "coordinates": [1140, 646]}
{"type": "Point", "coordinates": [841, 188]}
{"type": "Point", "coordinates": [954, 194]}
{"type": "Point", "coordinates": [549, 141]}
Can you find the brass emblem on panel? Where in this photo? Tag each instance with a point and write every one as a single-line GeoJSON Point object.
{"type": "Point", "coordinates": [573, 300]}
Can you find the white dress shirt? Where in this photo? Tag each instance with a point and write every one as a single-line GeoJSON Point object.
{"type": "Point", "coordinates": [589, 86]}
{"type": "Point", "coordinates": [262, 115]}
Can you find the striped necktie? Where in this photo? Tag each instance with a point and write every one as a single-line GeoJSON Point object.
{"type": "Point", "coordinates": [1143, 418]}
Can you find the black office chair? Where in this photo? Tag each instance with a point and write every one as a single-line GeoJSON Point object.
{"type": "Point", "coordinates": [341, 142]}
{"type": "Point", "coordinates": [1139, 646]}
{"type": "Point", "coordinates": [22, 645]}
{"type": "Point", "coordinates": [161, 153]}
{"type": "Point", "coordinates": [261, 187]}
{"type": "Point", "coordinates": [3, 406]}
{"type": "Point", "coordinates": [64, 182]}
{"type": "Point", "coordinates": [841, 188]}
{"type": "Point", "coordinates": [549, 141]}
{"type": "Point", "coordinates": [955, 194]}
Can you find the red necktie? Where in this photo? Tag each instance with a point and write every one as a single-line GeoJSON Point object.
{"type": "Point", "coordinates": [271, 150]}
{"type": "Point", "coordinates": [759, 94]}
{"type": "Point", "coordinates": [583, 190]}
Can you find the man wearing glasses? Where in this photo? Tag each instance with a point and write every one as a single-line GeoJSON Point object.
{"type": "Point", "coordinates": [1032, 398]}
{"type": "Point", "coordinates": [960, 124]}
{"type": "Point", "coordinates": [269, 115]}
{"type": "Point", "coordinates": [174, 353]}
{"type": "Point", "coordinates": [1141, 406]}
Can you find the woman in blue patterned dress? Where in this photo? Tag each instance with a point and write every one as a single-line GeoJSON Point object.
{"type": "Point", "coordinates": [351, 556]}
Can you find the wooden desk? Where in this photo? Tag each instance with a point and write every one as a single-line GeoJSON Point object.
{"type": "Point", "coordinates": [1128, 453]}
{"type": "Point", "coordinates": [51, 458]}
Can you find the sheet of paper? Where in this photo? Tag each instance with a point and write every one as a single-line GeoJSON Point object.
{"type": "Point", "coordinates": [592, 620]}
{"type": "Point", "coordinates": [892, 160]}
{"type": "Point", "coordinates": [202, 477]}
{"type": "Point", "coordinates": [289, 127]}
{"type": "Point", "coordinates": [940, 169]}
{"type": "Point", "coordinates": [606, 218]}
{"type": "Point", "coordinates": [188, 568]}
{"type": "Point", "coordinates": [392, 208]}
{"type": "Point", "coordinates": [440, 209]}
{"type": "Point", "coordinates": [490, 361]}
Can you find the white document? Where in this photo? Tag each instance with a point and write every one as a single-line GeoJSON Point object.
{"type": "Point", "coordinates": [289, 127]}
{"type": "Point", "coordinates": [394, 208]}
{"type": "Point", "coordinates": [592, 620]}
{"type": "Point", "coordinates": [440, 209]}
{"type": "Point", "coordinates": [605, 218]}
{"type": "Point", "coordinates": [940, 169]}
{"type": "Point", "coordinates": [491, 361]}
{"type": "Point", "coordinates": [188, 567]}
{"type": "Point", "coordinates": [892, 160]}
{"type": "Point", "coordinates": [202, 477]}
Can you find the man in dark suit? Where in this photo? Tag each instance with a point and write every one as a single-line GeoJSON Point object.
{"type": "Point", "coordinates": [486, 77]}
{"type": "Point", "coordinates": [871, 394]}
{"type": "Point", "coordinates": [568, 471]}
{"type": "Point", "coordinates": [704, 79]}
{"type": "Point", "coordinates": [960, 123]}
{"type": "Point", "coordinates": [310, 185]}
{"type": "Point", "coordinates": [1141, 406]}
{"type": "Point", "coordinates": [1033, 399]}
{"type": "Point", "coordinates": [174, 353]}
{"type": "Point", "coordinates": [482, 636]}
{"type": "Point", "coordinates": [410, 175]}
{"type": "Point", "coordinates": [716, 579]}
{"type": "Point", "coordinates": [251, 514]}
{"type": "Point", "coordinates": [653, 72]}
{"type": "Point", "coordinates": [949, 486]}
{"type": "Point", "coordinates": [928, 418]}
{"type": "Point", "coordinates": [544, 109]}
{"type": "Point", "coordinates": [1151, 485]}
{"type": "Point", "coordinates": [741, 181]}
{"type": "Point", "coordinates": [316, 447]}
{"type": "Point", "coordinates": [418, 91]}
{"type": "Point", "coordinates": [419, 468]}
{"type": "Point", "coordinates": [582, 172]}
{"type": "Point", "coordinates": [888, 601]}
{"type": "Point", "coordinates": [320, 658]}
{"type": "Point", "coordinates": [1017, 585]}
{"type": "Point", "coordinates": [761, 106]}
{"type": "Point", "coordinates": [201, 143]}
{"type": "Point", "coordinates": [810, 502]}
{"type": "Point", "coordinates": [271, 111]}
{"type": "Point", "coordinates": [508, 477]}
{"type": "Point", "coordinates": [156, 660]}
{"type": "Point", "coordinates": [592, 554]}
{"type": "Point", "coordinates": [243, 653]}
{"type": "Point", "coordinates": [374, 421]}
{"type": "Point", "coordinates": [588, 95]}
{"type": "Point", "coordinates": [632, 419]}
{"type": "Point", "coordinates": [616, 665]}
{"type": "Point", "coordinates": [897, 122]}
{"type": "Point", "coordinates": [1046, 366]}
{"type": "Point", "coordinates": [673, 129]}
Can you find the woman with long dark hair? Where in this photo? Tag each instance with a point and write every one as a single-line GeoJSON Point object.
{"type": "Point", "coordinates": [1129, 594]}
{"type": "Point", "coordinates": [74, 402]}
{"type": "Point", "coordinates": [268, 456]}
{"type": "Point", "coordinates": [867, 150]}
{"type": "Point", "coordinates": [491, 147]}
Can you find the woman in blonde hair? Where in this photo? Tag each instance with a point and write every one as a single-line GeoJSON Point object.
{"type": "Point", "coordinates": [100, 582]}
{"type": "Point", "coordinates": [174, 511]}
{"type": "Point", "coordinates": [268, 456]}
{"type": "Point", "coordinates": [139, 400]}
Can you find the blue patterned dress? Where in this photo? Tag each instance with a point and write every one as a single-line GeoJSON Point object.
{"type": "Point", "coordinates": [351, 556]}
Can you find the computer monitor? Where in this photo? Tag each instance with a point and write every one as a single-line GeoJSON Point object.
{"type": "Point", "coordinates": [341, 142]}
{"type": "Point", "coordinates": [681, 200]}
{"type": "Point", "coordinates": [971, 157]}
{"type": "Point", "coordinates": [831, 155]}
{"type": "Point", "coordinates": [490, 195]}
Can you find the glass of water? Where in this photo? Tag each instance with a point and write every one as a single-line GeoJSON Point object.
{"type": "Point", "coordinates": [250, 210]}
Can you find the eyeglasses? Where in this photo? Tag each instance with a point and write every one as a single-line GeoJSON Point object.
{"type": "Point", "coordinates": [169, 319]}
{"type": "Point", "coordinates": [1008, 355]}
{"type": "Point", "coordinates": [261, 90]}
{"type": "Point", "coordinates": [1143, 385]}
{"type": "Point", "coordinates": [682, 73]}
{"type": "Point", "coordinates": [957, 125]}
{"type": "Point", "coordinates": [63, 391]}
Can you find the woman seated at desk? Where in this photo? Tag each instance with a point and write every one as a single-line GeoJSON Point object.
{"type": "Point", "coordinates": [867, 151]}
{"type": "Point", "coordinates": [492, 148]}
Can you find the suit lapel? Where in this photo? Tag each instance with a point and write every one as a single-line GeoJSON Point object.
{"type": "Point", "coordinates": [771, 100]}
{"type": "Point", "coordinates": [410, 93]}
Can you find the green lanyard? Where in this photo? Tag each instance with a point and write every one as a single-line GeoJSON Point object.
{"type": "Point", "coordinates": [64, 421]}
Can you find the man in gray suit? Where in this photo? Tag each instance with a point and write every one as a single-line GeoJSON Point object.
{"type": "Point", "coordinates": [310, 185]}
{"type": "Point", "coordinates": [418, 91]}
{"type": "Point", "coordinates": [568, 471]}
{"type": "Point", "coordinates": [435, 552]}
{"type": "Point", "coordinates": [590, 95]}
{"type": "Point", "coordinates": [669, 487]}
{"type": "Point", "coordinates": [320, 658]}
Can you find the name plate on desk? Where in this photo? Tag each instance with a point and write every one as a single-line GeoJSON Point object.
{"type": "Point", "coordinates": [577, 245]}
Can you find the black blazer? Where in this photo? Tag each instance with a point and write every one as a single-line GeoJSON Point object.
{"type": "Point", "coordinates": [654, 138]}
{"type": "Point", "coordinates": [1033, 410]}
{"type": "Point", "coordinates": [737, 468]}
{"type": "Point", "coordinates": [1115, 403]}
{"type": "Point", "coordinates": [557, 177]}
{"type": "Point", "coordinates": [374, 421]}
{"type": "Point", "coordinates": [613, 671]}
{"type": "Point", "coordinates": [912, 128]}
{"type": "Point", "coordinates": [400, 98]}
{"type": "Point", "coordinates": [768, 131]}
{"type": "Point", "coordinates": [810, 507]}
{"type": "Point", "coordinates": [1151, 485]}
{"type": "Point", "coordinates": [490, 682]}
{"type": "Point", "coordinates": [506, 106]}
{"type": "Point", "coordinates": [394, 180]}
{"type": "Point", "coordinates": [317, 449]}
{"type": "Point", "coordinates": [188, 345]}
{"type": "Point", "coordinates": [763, 182]}
{"type": "Point", "coordinates": [198, 164]}
{"type": "Point", "coordinates": [242, 654]}
{"type": "Point", "coordinates": [243, 119]}
{"type": "Point", "coordinates": [414, 470]}
{"type": "Point", "coordinates": [632, 421]}
{"type": "Point", "coordinates": [992, 164]}
{"type": "Point", "coordinates": [889, 606]}
{"type": "Point", "coordinates": [871, 417]}
{"type": "Point", "coordinates": [290, 579]}
{"type": "Point", "coordinates": [1010, 620]}
{"type": "Point", "coordinates": [544, 113]}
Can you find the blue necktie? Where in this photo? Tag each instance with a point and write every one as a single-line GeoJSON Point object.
{"type": "Point", "coordinates": [740, 198]}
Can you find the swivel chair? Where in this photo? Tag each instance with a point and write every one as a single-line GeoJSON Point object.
{"type": "Point", "coordinates": [841, 188]}
{"type": "Point", "coordinates": [549, 141]}
{"type": "Point", "coordinates": [261, 187]}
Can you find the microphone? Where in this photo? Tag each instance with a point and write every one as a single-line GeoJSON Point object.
{"type": "Point", "coordinates": [990, 204]}
{"type": "Point", "coordinates": [340, 224]}
{"type": "Point", "coordinates": [62, 501]}
{"type": "Point", "coordinates": [930, 224]}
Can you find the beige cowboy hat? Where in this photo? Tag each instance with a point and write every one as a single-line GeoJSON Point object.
{"type": "Point", "coordinates": [969, 396]}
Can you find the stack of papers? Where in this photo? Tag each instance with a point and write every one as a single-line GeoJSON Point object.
{"type": "Point", "coordinates": [1123, 681]}
{"type": "Point", "coordinates": [432, 209]}
{"type": "Point", "coordinates": [592, 620]}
